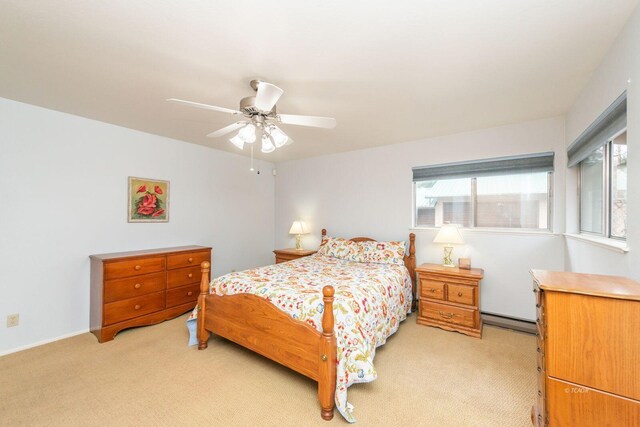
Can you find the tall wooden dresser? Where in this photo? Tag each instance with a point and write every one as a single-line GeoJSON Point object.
{"type": "Point", "coordinates": [143, 287]}
{"type": "Point", "coordinates": [588, 350]}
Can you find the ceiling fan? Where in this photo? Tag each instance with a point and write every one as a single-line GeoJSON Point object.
{"type": "Point", "coordinates": [261, 119]}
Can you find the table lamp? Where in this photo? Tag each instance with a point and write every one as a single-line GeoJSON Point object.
{"type": "Point", "coordinates": [449, 235]}
{"type": "Point", "coordinates": [298, 228]}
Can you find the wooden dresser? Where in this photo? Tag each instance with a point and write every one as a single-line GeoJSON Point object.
{"type": "Point", "coordinates": [283, 255]}
{"type": "Point", "coordinates": [143, 287]}
{"type": "Point", "coordinates": [449, 298]}
{"type": "Point", "coordinates": [588, 350]}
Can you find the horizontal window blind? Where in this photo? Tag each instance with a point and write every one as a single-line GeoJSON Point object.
{"type": "Point", "coordinates": [612, 121]}
{"type": "Point", "coordinates": [541, 162]}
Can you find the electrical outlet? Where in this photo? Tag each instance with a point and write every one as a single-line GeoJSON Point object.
{"type": "Point", "coordinates": [13, 320]}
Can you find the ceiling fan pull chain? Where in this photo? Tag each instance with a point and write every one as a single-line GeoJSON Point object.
{"type": "Point", "coordinates": [252, 169]}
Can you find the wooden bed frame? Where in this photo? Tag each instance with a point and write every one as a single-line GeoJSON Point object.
{"type": "Point", "coordinates": [260, 326]}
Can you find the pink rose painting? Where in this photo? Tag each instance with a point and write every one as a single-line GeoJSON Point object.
{"type": "Point", "coordinates": [148, 200]}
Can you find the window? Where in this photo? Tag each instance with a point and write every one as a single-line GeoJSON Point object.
{"type": "Point", "coordinates": [443, 201]}
{"type": "Point", "coordinates": [592, 193]}
{"type": "Point", "coordinates": [600, 152]}
{"type": "Point", "coordinates": [619, 186]}
{"type": "Point", "coordinates": [513, 201]}
{"type": "Point", "coordinates": [603, 189]}
{"type": "Point", "coordinates": [511, 193]}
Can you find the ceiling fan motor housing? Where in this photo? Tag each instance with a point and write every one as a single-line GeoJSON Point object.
{"type": "Point", "coordinates": [248, 108]}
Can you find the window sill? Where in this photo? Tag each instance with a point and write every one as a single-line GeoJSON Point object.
{"type": "Point", "coordinates": [611, 244]}
{"type": "Point", "coordinates": [515, 232]}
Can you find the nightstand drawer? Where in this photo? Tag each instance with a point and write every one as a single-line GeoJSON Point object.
{"type": "Point", "coordinates": [432, 289]}
{"type": "Point", "coordinates": [448, 313]}
{"type": "Point", "coordinates": [183, 276]}
{"type": "Point", "coordinates": [284, 255]}
{"type": "Point", "coordinates": [285, 258]}
{"type": "Point", "coordinates": [191, 259]}
{"type": "Point", "coordinates": [115, 290]}
{"type": "Point", "coordinates": [461, 294]}
{"type": "Point", "coordinates": [135, 267]}
{"type": "Point", "coordinates": [133, 307]}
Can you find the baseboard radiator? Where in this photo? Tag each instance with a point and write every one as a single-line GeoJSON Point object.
{"type": "Point", "coordinates": [509, 323]}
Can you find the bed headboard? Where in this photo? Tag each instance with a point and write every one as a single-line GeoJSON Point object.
{"type": "Point", "coordinates": [409, 258]}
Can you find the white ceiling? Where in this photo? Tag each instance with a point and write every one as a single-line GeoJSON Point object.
{"type": "Point", "coordinates": [388, 71]}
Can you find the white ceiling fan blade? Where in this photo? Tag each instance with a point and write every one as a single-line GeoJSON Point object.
{"type": "Point", "coordinates": [205, 106]}
{"type": "Point", "coordinates": [267, 96]}
{"type": "Point", "coordinates": [227, 129]}
{"type": "Point", "coordinates": [313, 121]}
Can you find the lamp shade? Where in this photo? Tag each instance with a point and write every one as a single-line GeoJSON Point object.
{"type": "Point", "coordinates": [298, 227]}
{"type": "Point", "coordinates": [248, 133]}
{"type": "Point", "coordinates": [449, 234]}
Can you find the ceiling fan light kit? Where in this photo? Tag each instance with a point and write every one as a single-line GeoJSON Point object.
{"type": "Point", "coordinates": [267, 145]}
{"type": "Point", "coordinates": [237, 141]}
{"type": "Point", "coordinates": [248, 133]}
{"type": "Point", "coordinates": [261, 118]}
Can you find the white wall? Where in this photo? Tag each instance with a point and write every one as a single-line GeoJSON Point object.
{"type": "Point", "coordinates": [63, 192]}
{"type": "Point", "coordinates": [369, 192]}
{"type": "Point", "coordinates": [619, 71]}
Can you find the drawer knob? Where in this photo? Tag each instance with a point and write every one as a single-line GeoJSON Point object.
{"type": "Point", "coordinates": [432, 290]}
{"type": "Point", "coordinates": [137, 267]}
{"type": "Point", "coordinates": [189, 293]}
{"type": "Point", "coordinates": [539, 393]}
{"type": "Point", "coordinates": [190, 260]}
{"type": "Point", "coordinates": [539, 369]}
{"type": "Point", "coordinates": [137, 285]}
{"type": "Point", "coordinates": [137, 307]}
{"type": "Point", "coordinates": [190, 275]}
{"type": "Point", "coordinates": [459, 294]}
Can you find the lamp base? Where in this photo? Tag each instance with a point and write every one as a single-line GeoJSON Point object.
{"type": "Point", "coordinates": [299, 242]}
{"type": "Point", "coordinates": [448, 258]}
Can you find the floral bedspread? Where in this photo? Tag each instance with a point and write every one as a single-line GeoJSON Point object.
{"type": "Point", "coordinates": [370, 301]}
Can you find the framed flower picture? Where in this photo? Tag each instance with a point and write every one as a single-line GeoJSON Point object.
{"type": "Point", "coordinates": [148, 200]}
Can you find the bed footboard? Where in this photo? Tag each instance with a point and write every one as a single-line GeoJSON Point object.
{"type": "Point", "coordinates": [258, 325]}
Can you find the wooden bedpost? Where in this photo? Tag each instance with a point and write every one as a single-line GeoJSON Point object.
{"type": "Point", "coordinates": [411, 266]}
{"type": "Point", "coordinates": [203, 334]}
{"type": "Point", "coordinates": [328, 362]}
{"type": "Point", "coordinates": [324, 233]}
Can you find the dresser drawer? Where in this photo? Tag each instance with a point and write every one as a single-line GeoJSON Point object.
{"type": "Point", "coordinates": [432, 289]}
{"type": "Point", "coordinates": [447, 313]}
{"type": "Point", "coordinates": [461, 294]}
{"type": "Point", "coordinates": [183, 276]}
{"type": "Point", "coordinates": [134, 267]}
{"type": "Point", "coordinates": [133, 307]}
{"type": "Point", "coordinates": [573, 404]}
{"type": "Point", "coordinates": [119, 289]}
{"type": "Point", "coordinates": [187, 260]}
{"type": "Point", "coordinates": [182, 295]}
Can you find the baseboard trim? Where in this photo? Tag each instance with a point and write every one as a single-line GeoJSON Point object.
{"type": "Point", "coordinates": [509, 323]}
{"type": "Point", "coordinates": [43, 342]}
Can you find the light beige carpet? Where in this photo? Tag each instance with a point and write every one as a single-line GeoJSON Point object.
{"type": "Point", "coordinates": [149, 377]}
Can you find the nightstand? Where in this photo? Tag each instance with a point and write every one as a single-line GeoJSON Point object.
{"type": "Point", "coordinates": [449, 298]}
{"type": "Point", "coordinates": [283, 255]}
